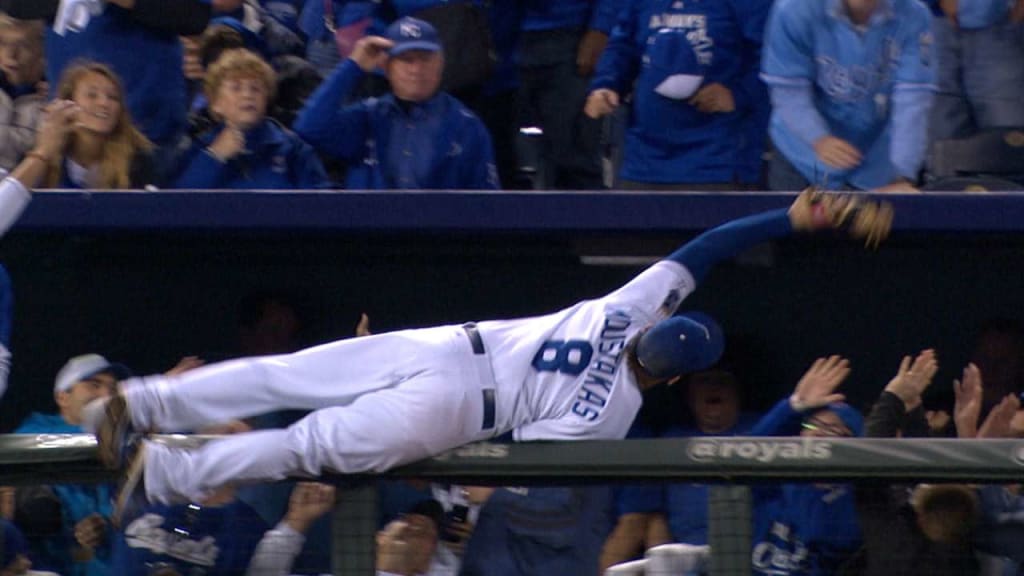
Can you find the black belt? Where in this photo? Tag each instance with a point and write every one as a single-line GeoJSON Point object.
{"type": "Point", "coordinates": [477, 343]}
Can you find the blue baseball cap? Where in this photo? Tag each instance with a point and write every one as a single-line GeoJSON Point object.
{"type": "Point", "coordinates": [681, 344]}
{"type": "Point", "coordinates": [850, 416]}
{"type": "Point", "coordinates": [412, 34]}
{"type": "Point", "coordinates": [671, 64]}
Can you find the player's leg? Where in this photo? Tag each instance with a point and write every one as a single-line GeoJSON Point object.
{"type": "Point", "coordinates": [379, 431]}
{"type": "Point", "coordinates": [333, 374]}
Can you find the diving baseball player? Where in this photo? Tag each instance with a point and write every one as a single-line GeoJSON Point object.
{"type": "Point", "coordinates": [15, 196]}
{"type": "Point", "coordinates": [389, 399]}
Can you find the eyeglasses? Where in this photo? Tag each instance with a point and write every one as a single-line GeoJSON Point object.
{"type": "Point", "coordinates": [825, 429]}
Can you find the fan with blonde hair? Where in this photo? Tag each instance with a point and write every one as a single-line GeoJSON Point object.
{"type": "Point", "coordinates": [105, 140]}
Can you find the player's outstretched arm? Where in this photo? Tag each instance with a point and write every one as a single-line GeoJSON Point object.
{"type": "Point", "coordinates": [58, 119]}
{"type": "Point", "coordinates": [812, 210]}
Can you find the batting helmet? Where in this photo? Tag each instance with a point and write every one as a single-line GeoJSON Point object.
{"type": "Point", "coordinates": [681, 344]}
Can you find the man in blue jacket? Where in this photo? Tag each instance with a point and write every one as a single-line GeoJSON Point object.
{"type": "Point", "coordinates": [416, 137]}
{"type": "Point", "coordinates": [851, 83]}
{"type": "Point", "coordinates": [82, 546]}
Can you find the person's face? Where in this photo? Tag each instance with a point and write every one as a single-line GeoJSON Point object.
{"type": "Point", "coordinates": [422, 538]}
{"type": "Point", "coordinates": [715, 406]}
{"type": "Point", "coordinates": [415, 75]}
{"type": "Point", "coordinates": [825, 424]}
{"type": "Point", "coordinates": [241, 101]}
{"type": "Point", "coordinates": [99, 101]}
{"type": "Point", "coordinates": [75, 398]}
{"type": "Point", "coordinates": [21, 58]}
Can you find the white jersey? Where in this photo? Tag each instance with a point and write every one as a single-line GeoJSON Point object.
{"type": "Point", "coordinates": [13, 199]}
{"type": "Point", "coordinates": [564, 376]}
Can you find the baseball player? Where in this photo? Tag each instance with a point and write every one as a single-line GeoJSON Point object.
{"type": "Point", "coordinates": [389, 399]}
{"type": "Point", "coordinates": [15, 196]}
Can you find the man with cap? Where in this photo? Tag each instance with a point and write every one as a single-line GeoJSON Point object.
{"type": "Point", "coordinates": [415, 137]}
{"type": "Point", "coordinates": [385, 400]}
{"type": "Point", "coordinates": [808, 528]}
{"type": "Point", "coordinates": [692, 70]}
{"type": "Point", "coordinates": [81, 546]}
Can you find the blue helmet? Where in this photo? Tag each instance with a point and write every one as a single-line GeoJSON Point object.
{"type": "Point", "coordinates": [685, 343]}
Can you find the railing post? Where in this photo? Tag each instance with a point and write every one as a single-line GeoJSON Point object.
{"type": "Point", "coordinates": [729, 529]}
{"type": "Point", "coordinates": [354, 527]}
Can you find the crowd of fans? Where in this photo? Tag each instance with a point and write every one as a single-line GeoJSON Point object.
{"type": "Point", "coordinates": [631, 94]}
{"type": "Point", "coordinates": [663, 530]}
{"type": "Point", "coordinates": [427, 94]}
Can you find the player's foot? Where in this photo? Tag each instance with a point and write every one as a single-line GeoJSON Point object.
{"type": "Point", "coordinates": [131, 494]}
{"type": "Point", "coordinates": [113, 432]}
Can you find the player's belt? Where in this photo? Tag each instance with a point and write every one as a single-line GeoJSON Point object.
{"type": "Point", "coordinates": [477, 343]}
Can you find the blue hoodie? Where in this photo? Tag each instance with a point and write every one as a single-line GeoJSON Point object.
{"type": "Point", "coordinates": [78, 501]}
{"type": "Point", "coordinates": [803, 528]}
{"type": "Point", "coordinates": [213, 541]}
{"type": "Point", "coordinates": [276, 159]}
{"type": "Point", "coordinates": [435, 145]}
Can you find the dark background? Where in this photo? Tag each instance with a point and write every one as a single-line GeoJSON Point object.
{"type": "Point", "coordinates": [148, 298]}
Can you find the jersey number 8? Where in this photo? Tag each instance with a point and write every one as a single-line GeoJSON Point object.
{"type": "Point", "coordinates": [567, 357]}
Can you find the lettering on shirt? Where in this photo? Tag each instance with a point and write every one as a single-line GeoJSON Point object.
{"type": "Point", "coordinates": [786, 556]}
{"type": "Point", "coordinates": [696, 26]}
{"type": "Point", "coordinates": [600, 375]}
{"type": "Point", "coordinates": [146, 532]}
{"type": "Point", "coordinates": [857, 82]}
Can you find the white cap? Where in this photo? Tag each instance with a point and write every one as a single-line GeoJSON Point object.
{"type": "Point", "coordinates": [84, 367]}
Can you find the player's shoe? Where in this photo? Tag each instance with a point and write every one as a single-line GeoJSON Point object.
{"type": "Point", "coordinates": [114, 433]}
{"type": "Point", "coordinates": [131, 494]}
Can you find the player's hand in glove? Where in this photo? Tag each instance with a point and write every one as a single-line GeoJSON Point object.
{"type": "Point", "coordinates": [864, 219]}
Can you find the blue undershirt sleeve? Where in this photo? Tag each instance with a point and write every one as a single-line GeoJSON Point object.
{"type": "Point", "coordinates": [794, 103]}
{"type": "Point", "coordinates": [729, 239]}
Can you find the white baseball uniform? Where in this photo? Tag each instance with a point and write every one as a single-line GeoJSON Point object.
{"type": "Point", "coordinates": [14, 197]}
{"type": "Point", "coordinates": [390, 399]}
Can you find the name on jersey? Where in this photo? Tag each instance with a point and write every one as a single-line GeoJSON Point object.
{"type": "Point", "coordinates": [600, 375]}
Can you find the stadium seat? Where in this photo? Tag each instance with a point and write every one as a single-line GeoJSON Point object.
{"type": "Point", "coordinates": [992, 153]}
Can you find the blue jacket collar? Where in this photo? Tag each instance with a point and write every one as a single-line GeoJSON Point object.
{"type": "Point", "coordinates": [419, 110]}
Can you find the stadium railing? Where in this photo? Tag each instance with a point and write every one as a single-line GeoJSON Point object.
{"type": "Point", "coordinates": [726, 462]}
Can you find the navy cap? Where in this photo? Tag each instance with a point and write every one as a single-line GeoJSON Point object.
{"type": "Point", "coordinates": [681, 344]}
{"type": "Point", "coordinates": [412, 34]}
{"type": "Point", "coordinates": [671, 66]}
{"type": "Point", "coordinates": [850, 416]}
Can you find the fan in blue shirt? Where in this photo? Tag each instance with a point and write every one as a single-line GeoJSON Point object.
{"type": "Point", "coordinates": [851, 84]}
